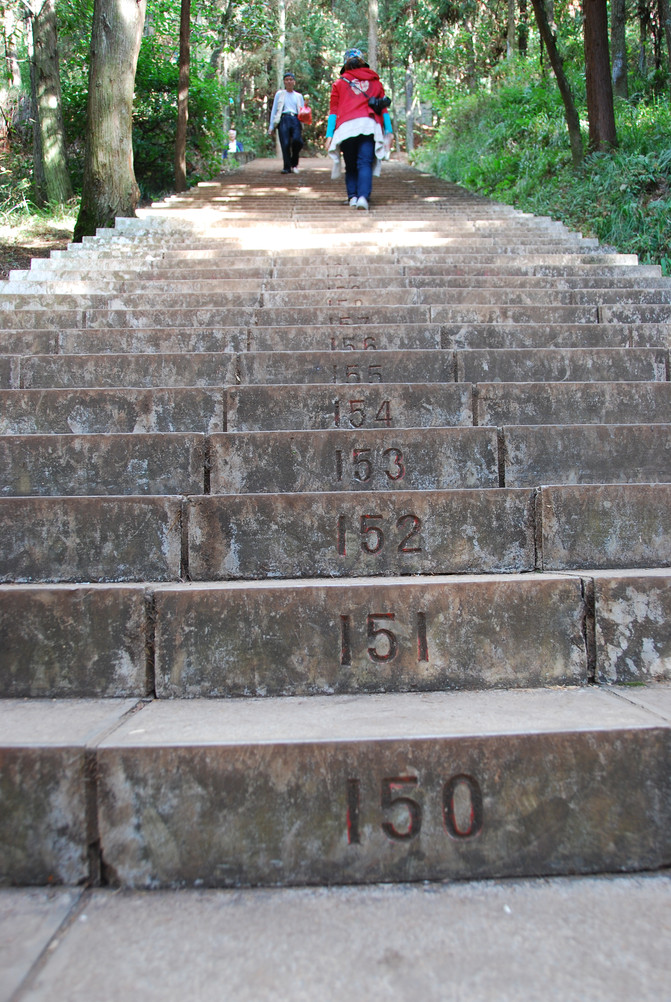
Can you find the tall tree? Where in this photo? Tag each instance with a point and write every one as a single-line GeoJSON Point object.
{"type": "Point", "coordinates": [51, 175]}
{"type": "Point", "coordinates": [523, 29]}
{"type": "Point", "coordinates": [372, 33]}
{"type": "Point", "coordinates": [600, 112]}
{"type": "Point", "coordinates": [510, 32]}
{"type": "Point", "coordinates": [570, 113]}
{"type": "Point", "coordinates": [665, 15]}
{"type": "Point", "coordinates": [618, 44]}
{"type": "Point", "coordinates": [109, 187]}
{"type": "Point", "coordinates": [182, 96]}
{"type": "Point", "coordinates": [409, 105]}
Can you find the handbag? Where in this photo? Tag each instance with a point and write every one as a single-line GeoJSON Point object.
{"type": "Point", "coordinates": [305, 114]}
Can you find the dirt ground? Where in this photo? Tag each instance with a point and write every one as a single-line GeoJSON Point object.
{"type": "Point", "coordinates": [16, 254]}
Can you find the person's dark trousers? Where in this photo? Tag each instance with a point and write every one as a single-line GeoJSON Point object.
{"type": "Point", "coordinates": [291, 140]}
{"type": "Point", "coordinates": [359, 156]}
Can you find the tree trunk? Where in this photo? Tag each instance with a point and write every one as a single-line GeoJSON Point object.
{"type": "Point", "coordinates": [51, 175]}
{"type": "Point", "coordinates": [510, 34]}
{"type": "Point", "coordinates": [372, 33]}
{"type": "Point", "coordinates": [600, 113]}
{"type": "Point", "coordinates": [471, 78]}
{"type": "Point", "coordinates": [409, 115]}
{"type": "Point", "coordinates": [570, 113]}
{"type": "Point", "coordinates": [280, 55]}
{"type": "Point", "coordinates": [665, 17]}
{"type": "Point", "coordinates": [12, 24]}
{"type": "Point", "coordinates": [110, 188]}
{"type": "Point", "coordinates": [523, 29]}
{"type": "Point", "coordinates": [618, 23]}
{"type": "Point", "coordinates": [183, 96]}
{"type": "Point", "coordinates": [644, 30]}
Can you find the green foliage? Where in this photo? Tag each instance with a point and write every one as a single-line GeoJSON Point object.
{"type": "Point", "coordinates": [512, 145]}
{"type": "Point", "coordinates": [155, 122]}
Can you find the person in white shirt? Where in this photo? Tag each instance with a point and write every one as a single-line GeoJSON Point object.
{"type": "Point", "coordinates": [284, 118]}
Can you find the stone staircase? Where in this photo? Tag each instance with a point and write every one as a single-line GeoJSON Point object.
{"type": "Point", "coordinates": [335, 545]}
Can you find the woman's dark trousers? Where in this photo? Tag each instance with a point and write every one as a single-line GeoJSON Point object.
{"type": "Point", "coordinates": [359, 156]}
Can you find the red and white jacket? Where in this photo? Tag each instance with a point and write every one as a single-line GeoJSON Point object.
{"type": "Point", "coordinates": [349, 98]}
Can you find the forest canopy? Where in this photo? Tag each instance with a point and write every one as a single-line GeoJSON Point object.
{"type": "Point", "coordinates": [480, 90]}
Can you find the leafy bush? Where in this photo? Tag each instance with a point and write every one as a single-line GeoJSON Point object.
{"type": "Point", "coordinates": [513, 145]}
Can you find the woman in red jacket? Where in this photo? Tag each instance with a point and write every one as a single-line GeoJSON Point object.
{"type": "Point", "coordinates": [357, 125]}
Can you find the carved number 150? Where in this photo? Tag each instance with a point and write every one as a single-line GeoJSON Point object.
{"type": "Point", "coordinates": [461, 808]}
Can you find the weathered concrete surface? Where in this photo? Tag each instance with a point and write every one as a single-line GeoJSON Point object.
{"type": "Point", "coordinates": [572, 403]}
{"type": "Point", "coordinates": [297, 791]}
{"type": "Point", "coordinates": [350, 331]}
{"type": "Point", "coordinates": [30, 920]}
{"type": "Point", "coordinates": [111, 411]}
{"type": "Point", "coordinates": [345, 534]}
{"type": "Point", "coordinates": [348, 295]}
{"type": "Point", "coordinates": [552, 335]}
{"type": "Point", "coordinates": [371, 406]}
{"type": "Point", "coordinates": [218, 338]}
{"type": "Point", "coordinates": [585, 282]}
{"type": "Point", "coordinates": [635, 314]}
{"type": "Point", "coordinates": [73, 640]}
{"type": "Point", "coordinates": [90, 539]}
{"type": "Point", "coordinates": [597, 526]}
{"type": "Point", "coordinates": [394, 634]}
{"type": "Point", "coordinates": [45, 810]}
{"type": "Point", "coordinates": [352, 367]}
{"type": "Point", "coordinates": [138, 370]}
{"type": "Point", "coordinates": [553, 364]}
{"type": "Point", "coordinates": [7, 364]}
{"type": "Point", "coordinates": [515, 314]}
{"type": "Point", "coordinates": [512, 941]}
{"type": "Point", "coordinates": [587, 454]}
{"type": "Point", "coordinates": [335, 314]}
{"type": "Point", "coordinates": [48, 465]}
{"type": "Point", "coordinates": [541, 270]}
{"type": "Point", "coordinates": [412, 459]}
{"type": "Point", "coordinates": [656, 698]}
{"type": "Point", "coordinates": [632, 611]}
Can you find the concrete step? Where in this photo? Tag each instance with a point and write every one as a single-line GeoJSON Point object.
{"type": "Point", "coordinates": [122, 284]}
{"type": "Point", "coordinates": [507, 274]}
{"type": "Point", "coordinates": [602, 526]}
{"type": "Point", "coordinates": [344, 790]}
{"type": "Point", "coordinates": [634, 313]}
{"type": "Point", "coordinates": [369, 635]}
{"type": "Point", "coordinates": [66, 942]}
{"type": "Point", "coordinates": [141, 463]}
{"type": "Point", "coordinates": [553, 335]}
{"type": "Point", "coordinates": [245, 642]}
{"type": "Point", "coordinates": [369, 405]}
{"type": "Point", "coordinates": [345, 309]}
{"type": "Point", "coordinates": [568, 364]}
{"type": "Point", "coordinates": [100, 539]}
{"type": "Point", "coordinates": [348, 334]}
{"type": "Point", "coordinates": [129, 370]}
{"type": "Point", "coordinates": [510, 242]}
{"type": "Point", "coordinates": [112, 411]}
{"type": "Point", "coordinates": [257, 536]}
{"type": "Point", "coordinates": [586, 454]}
{"type": "Point", "coordinates": [394, 293]}
{"type": "Point", "coordinates": [563, 403]}
{"type": "Point", "coordinates": [412, 459]}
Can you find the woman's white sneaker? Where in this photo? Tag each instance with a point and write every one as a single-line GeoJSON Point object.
{"type": "Point", "coordinates": [353, 201]}
{"type": "Point", "coordinates": [361, 203]}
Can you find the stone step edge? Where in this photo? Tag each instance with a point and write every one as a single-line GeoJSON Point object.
{"type": "Point", "coordinates": [333, 368]}
{"type": "Point", "coordinates": [587, 611]}
{"type": "Point", "coordinates": [355, 528]}
{"type": "Point", "coordinates": [302, 790]}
